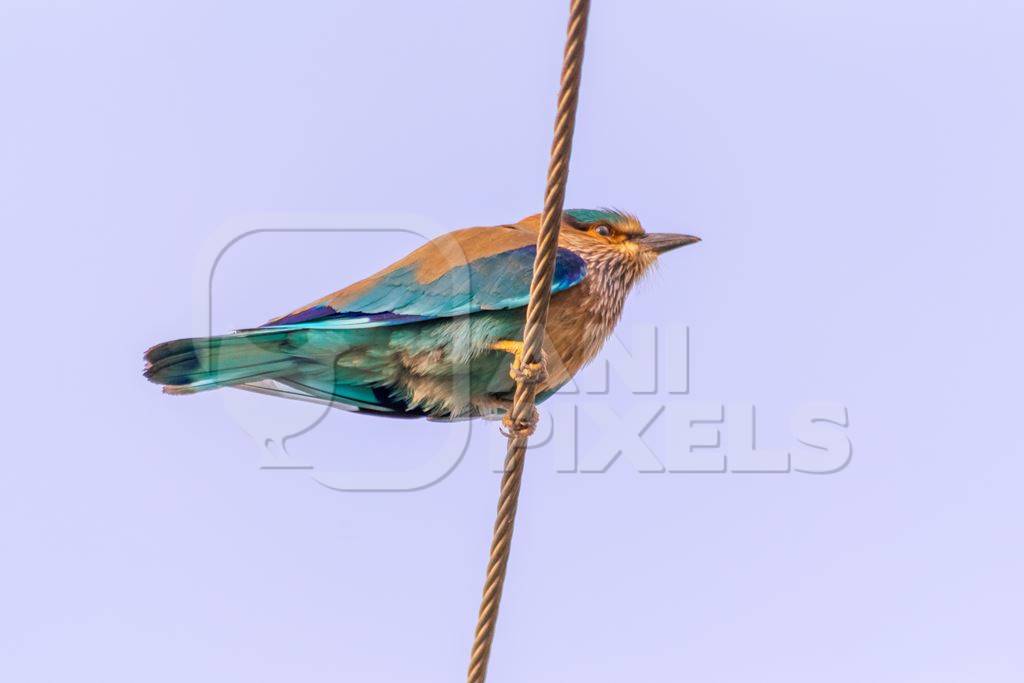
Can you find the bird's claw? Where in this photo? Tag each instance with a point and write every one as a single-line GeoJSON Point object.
{"type": "Point", "coordinates": [529, 373]}
{"type": "Point", "coordinates": [520, 428]}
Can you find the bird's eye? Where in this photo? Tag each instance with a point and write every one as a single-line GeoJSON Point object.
{"type": "Point", "coordinates": [603, 230]}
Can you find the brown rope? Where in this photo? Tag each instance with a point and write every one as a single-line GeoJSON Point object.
{"type": "Point", "coordinates": [522, 418]}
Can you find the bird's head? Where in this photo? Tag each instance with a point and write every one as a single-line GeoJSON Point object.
{"type": "Point", "coordinates": [615, 240]}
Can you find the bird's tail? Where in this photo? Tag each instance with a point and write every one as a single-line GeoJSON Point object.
{"type": "Point", "coordinates": [185, 366]}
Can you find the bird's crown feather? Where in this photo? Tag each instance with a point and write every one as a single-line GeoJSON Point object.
{"type": "Point", "coordinates": [598, 215]}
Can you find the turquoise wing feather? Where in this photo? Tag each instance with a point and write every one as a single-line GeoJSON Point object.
{"type": "Point", "coordinates": [495, 282]}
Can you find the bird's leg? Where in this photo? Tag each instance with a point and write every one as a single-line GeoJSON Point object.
{"type": "Point", "coordinates": [517, 371]}
{"type": "Point", "coordinates": [509, 346]}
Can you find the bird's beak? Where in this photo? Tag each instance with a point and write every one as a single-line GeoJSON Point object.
{"type": "Point", "coordinates": [661, 242]}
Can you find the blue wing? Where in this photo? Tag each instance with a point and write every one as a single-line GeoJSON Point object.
{"type": "Point", "coordinates": [495, 282]}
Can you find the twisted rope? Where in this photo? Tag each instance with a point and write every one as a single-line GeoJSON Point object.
{"type": "Point", "coordinates": [522, 419]}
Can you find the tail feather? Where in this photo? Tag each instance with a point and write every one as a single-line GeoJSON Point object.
{"type": "Point", "coordinates": [347, 368]}
{"type": "Point", "coordinates": [190, 365]}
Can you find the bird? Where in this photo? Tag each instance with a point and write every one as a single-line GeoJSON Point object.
{"type": "Point", "coordinates": [437, 334]}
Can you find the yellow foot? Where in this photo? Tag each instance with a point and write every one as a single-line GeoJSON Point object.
{"type": "Point", "coordinates": [517, 371]}
{"type": "Point", "coordinates": [508, 346]}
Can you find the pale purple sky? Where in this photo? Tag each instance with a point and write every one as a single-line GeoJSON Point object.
{"type": "Point", "coordinates": [855, 170]}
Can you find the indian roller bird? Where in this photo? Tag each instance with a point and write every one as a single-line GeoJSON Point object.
{"type": "Point", "coordinates": [437, 334]}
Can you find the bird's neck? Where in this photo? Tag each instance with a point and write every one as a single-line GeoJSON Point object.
{"type": "Point", "coordinates": [610, 277]}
